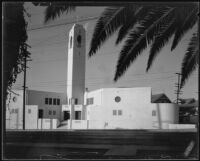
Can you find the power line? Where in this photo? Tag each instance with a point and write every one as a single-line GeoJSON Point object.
{"type": "Point", "coordinates": [64, 83]}
{"type": "Point", "coordinates": [66, 23]}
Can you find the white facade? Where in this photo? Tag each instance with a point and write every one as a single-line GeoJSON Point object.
{"type": "Point", "coordinates": [39, 105]}
{"type": "Point", "coordinates": [128, 108]}
{"type": "Point", "coordinates": [14, 109]}
{"type": "Point", "coordinates": [14, 112]}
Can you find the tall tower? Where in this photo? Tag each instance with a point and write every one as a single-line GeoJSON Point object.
{"type": "Point", "coordinates": [76, 65]}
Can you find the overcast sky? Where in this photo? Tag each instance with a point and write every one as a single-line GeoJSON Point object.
{"type": "Point", "coordinates": [48, 68]}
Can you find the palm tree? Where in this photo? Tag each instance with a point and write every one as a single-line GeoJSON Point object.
{"type": "Point", "coordinates": [14, 47]}
{"type": "Point", "coordinates": [143, 24]}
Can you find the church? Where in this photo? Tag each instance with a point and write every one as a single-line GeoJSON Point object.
{"type": "Point", "coordinates": [106, 108]}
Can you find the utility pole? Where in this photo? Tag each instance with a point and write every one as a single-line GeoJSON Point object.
{"type": "Point", "coordinates": [24, 92]}
{"type": "Point", "coordinates": [24, 86]}
{"type": "Point", "coordinates": [178, 91]}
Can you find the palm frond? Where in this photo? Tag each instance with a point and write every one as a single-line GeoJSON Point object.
{"type": "Point", "coordinates": [190, 60]}
{"type": "Point", "coordinates": [139, 38]}
{"type": "Point", "coordinates": [54, 10]}
{"type": "Point", "coordinates": [167, 29]}
{"type": "Point", "coordinates": [111, 19]}
{"type": "Point", "coordinates": [188, 20]}
{"type": "Point", "coordinates": [132, 19]}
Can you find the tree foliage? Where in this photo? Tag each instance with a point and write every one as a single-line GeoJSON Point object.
{"type": "Point", "coordinates": [14, 43]}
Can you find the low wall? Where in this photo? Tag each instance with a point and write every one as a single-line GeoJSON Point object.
{"type": "Point", "coordinates": [165, 114]}
{"type": "Point", "coordinates": [96, 124]}
{"type": "Point", "coordinates": [79, 124]}
{"type": "Point", "coordinates": [48, 123]}
{"type": "Point", "coordinates": [182, 126]}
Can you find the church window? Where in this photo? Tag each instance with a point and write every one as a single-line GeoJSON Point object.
{"type": "Point", "coordinates": [117, 99]}
{"type": "Point", "coordinates": [16, 110]}
{"type": "Point", "coordinates": [90, 101]}
{"type": "Point", "coordinates": [114, 112]}
{"type": "Point", "coordinates": [46, 101]}
{"type": "Point", "coordinates": [79, 40]}
{"type": "Point", "coordinates": [54, 101]}
{"type": "Point", "coordinates": [54, 112]}
{"type": "Point", "coordinates": [119, 112]}
{"type": "Point", "coordinates": [58, 101]}
{"type": "Point", "coordinates": [153, 113]}
{"type": "Point", "coordinates": [50, 101]}
{"type": "Point", "coordinates": [71, 42]}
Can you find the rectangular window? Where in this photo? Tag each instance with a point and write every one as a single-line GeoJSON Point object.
{"type": "Point", "coordinates": [16, 110]}
{"type": "Point", "coordinates": [50, 101]}
{"type": "Point", "coordinates": [153, 113]}
{"type": "Point", "coordinates": [76, 101]}
{"type": "Point", "coordinates": [87, 101]}
{"type": "Point", "coordinates": [119, 112]}
{"type": "Point", "coordinates": [114, 112]}
{"type": "Point", "coordinates": [54, 101]}
{"type": "Point", "coordinates": [13, 111]}
{"type": "Point", "coordinates": [50, 112]}
{"type": "Point", "coordinates": [29, 111]}
{"type": "Point", "coordinates": [90, 101]}
{"type": "Point", "coordinates": [46, 101]}
{"type": "Point", "coordinates": [54, 112]}
{"type": "Point", "coordinates": [58, 101]}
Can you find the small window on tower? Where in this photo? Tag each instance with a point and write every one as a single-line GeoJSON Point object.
{"type": "Point", "coordinates": [76, 101]}
{"type": "Point", "coordinates": [71, 42]}
{"type": "Point", "coordinates": [79, 40]}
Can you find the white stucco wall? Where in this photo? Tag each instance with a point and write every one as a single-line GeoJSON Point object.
{"type": "Point", "coordinates": [31, 116]}
{"type": "Point", "coordinates": [136, 110]}
{"type": "Point", "coordinates": [14, 120]}
{"type": "Point", "coordinates": [166, 113]}
{"type": "Point", "coordinates": [48, 123]}
{"type": "Point", "coordinates": [79, 124]}
{"type": "Point", "coordinates": [96, 95]}
{"type": "Point", "coordinates": [134, 105]}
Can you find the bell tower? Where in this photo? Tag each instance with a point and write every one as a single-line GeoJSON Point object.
{"type": "Point", "coordinates": [76, 65]}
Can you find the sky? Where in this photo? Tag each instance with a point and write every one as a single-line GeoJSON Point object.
{"type": "Point", "coordinates": [49, 44]}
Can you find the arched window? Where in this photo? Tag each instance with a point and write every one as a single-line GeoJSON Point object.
{"type": "Point", "coordinates": [71, 42]}
{"type": "Point", "coordinates": [79, 40]}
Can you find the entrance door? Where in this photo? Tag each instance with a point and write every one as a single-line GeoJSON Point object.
{"type": "Point", "coordinates": [66, 115]}
{"type": "Point", "coordinates": [40, 115]}
{"type": "Point", "coordinates": [77, 115]}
